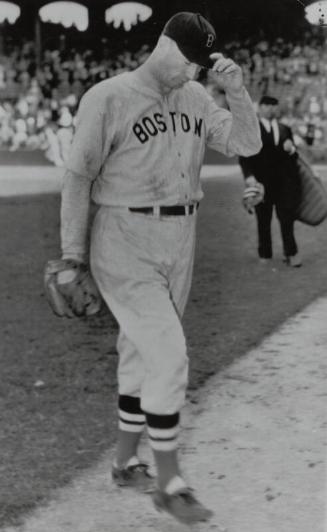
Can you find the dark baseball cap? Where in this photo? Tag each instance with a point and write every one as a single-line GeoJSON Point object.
{"type": "Point", "coordinates": [194, 36]}
{"type": "Point", "coordinates": [268, 100]}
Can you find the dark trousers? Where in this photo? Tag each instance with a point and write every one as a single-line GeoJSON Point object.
{"type": "Point", "coordinates": [264, 212]}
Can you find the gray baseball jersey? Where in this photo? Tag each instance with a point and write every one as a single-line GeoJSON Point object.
{"type": "Point", "coordinates": [143, 148]}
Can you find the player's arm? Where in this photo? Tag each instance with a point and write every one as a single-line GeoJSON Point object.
{"type": "Point", "coordinates": [69, 287]}
{"type": "Point", "coordinates": [254, 191]}
{"type": "Point", "coordinates": [288, 144]}
{"type": "Point", "coordinates": [75, 209]}
{"type": "Point", "coordinates": [82, 169]}
{"type": "Point", "coordinates": [235, 131]}
{"type": "Point", "coordinates": [246, 164]}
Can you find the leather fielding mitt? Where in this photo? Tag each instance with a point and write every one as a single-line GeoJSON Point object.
{"type": "Point", "coordinates": [70, 289]}
{"type": "Point", "coordinates": [252, 196]}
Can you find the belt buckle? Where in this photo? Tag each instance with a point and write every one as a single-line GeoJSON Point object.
{"type": "Point", "coordinates": [187, 210]}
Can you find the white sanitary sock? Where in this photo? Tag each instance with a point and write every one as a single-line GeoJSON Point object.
{"type": "Point", "coordinates": [175, 484]}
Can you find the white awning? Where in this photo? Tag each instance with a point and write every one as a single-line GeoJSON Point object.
{"type": "Point", "coordinates": [316, 13]}
{"type": "Point", "coordinates": [9, 11]}
{"type": "Point", "coordinates": [128, 14]}
{"type": "Point", "coordinates": [66, 13]}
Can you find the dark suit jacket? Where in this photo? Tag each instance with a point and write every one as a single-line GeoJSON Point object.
{"type": "Point", "coordinates": [274, 167]}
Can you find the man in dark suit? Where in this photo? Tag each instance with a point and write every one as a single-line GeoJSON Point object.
{"type": "Point", "coordinates": [275, 167]}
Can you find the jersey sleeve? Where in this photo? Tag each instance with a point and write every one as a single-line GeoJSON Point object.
{"type": "Point", "coordinates": [235, 131]}
{"type": "Point", "coordinates": [93, 136]}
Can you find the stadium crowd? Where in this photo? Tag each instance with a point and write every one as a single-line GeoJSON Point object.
{"type": "Point", "coordinates": [38, 102]}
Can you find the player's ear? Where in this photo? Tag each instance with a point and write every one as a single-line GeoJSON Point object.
{"type": "Point", "coordinates": [165, 45]}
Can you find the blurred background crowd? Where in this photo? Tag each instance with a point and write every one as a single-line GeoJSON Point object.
{"type": "Point", "coordinates": [38, 104]}
{"type": "Point", "coordinates": [39, 96]}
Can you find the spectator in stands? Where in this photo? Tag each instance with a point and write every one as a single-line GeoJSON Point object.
{"type": "Point", "coordinates": [77, 87]}
{"type": "Point", "coordinates": [65, 132]}
{"type": "Point", "coordinates": [11, 89]}
{"type": "Point", "coordinates": [2, 77]}
{"type": "Point", "coordinates": [19, 138]}
{"type": "Point", "coordinates": [63, 87]}
{"type": "Point", "coordinates": [6, 128]}
{"type": "Point", "coordinates": [51, 144]}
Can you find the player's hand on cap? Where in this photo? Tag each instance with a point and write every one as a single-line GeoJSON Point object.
{"type": "Point", "coordinates": [230, 76]}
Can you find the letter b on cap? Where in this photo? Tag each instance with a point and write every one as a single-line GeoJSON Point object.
{"type": "Point", "coordinates": [210, 40]}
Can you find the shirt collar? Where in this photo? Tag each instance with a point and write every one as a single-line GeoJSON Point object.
{"type": "Point", "coordinates": [266, 124]}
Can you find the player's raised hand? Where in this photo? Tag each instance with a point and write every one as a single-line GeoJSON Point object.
{"type": "Point", "coordinates": [230, 74]}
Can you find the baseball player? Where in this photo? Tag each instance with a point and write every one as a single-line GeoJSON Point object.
{"type": "Point", "coordinates": [137, 152]}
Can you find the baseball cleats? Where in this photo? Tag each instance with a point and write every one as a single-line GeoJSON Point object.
{"type": "Point", "coordinates": [182, 505]}
{"type": "Point", "coordinates": [134, 476]}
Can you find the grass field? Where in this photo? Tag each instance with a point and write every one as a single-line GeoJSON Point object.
{"type": "Point", "coordinates": [57, 377]}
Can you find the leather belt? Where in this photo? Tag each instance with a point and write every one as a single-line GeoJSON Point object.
{"type": "Point", "coordinates": [169, 210]}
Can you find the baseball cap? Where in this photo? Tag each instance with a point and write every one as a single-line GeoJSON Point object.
{"type": "Point", "coordinates": [268, 100]}
{"type": "Point", "coordinates": [194, 36]}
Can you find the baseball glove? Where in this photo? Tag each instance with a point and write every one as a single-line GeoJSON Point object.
{"type": "Point", "coordinates": [252, 196]}
{"type": "Point", "coordinates": [70, 289]}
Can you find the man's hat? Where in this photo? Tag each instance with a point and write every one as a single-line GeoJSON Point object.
{"type": "Point", "coordinates": [268, 100]}
{"type": "Point", "coordinates": [194, 36]}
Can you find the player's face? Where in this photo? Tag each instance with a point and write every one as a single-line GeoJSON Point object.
{"type": "Point", "coordinates": [178, 70]}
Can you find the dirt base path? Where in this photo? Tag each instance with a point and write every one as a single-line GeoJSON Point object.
{"type": "Point", "coordinates": [254, 449]}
